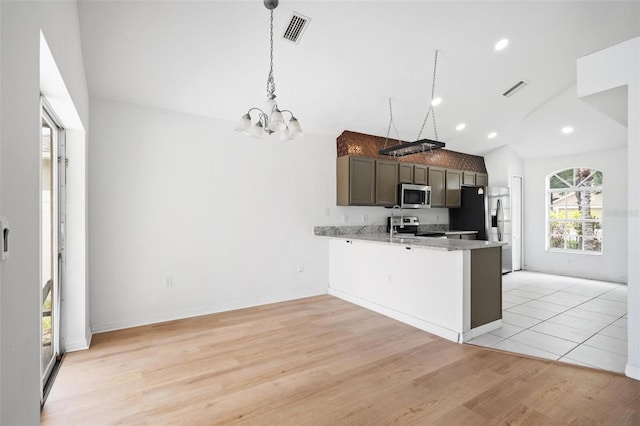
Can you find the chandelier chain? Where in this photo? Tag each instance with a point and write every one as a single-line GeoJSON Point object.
{"type": "Point", "coordinates": [271, 84]}
{"type": "Point", "coordinates": [431, 110]}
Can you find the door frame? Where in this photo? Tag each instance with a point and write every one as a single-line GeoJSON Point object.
{"type": "Point", "coordinates": [58, 175]}
{"type": "Point", "coordinates": [517, 181]}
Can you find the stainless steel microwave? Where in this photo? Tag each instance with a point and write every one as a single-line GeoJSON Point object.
{"type": "Point", "coordinates": [414, 196]}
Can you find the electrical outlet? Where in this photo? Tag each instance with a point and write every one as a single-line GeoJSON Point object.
{"type": "Point", "coordinates": [436, 218]}
{"type": "Point", "coordinates": [345, 218]}
{"type": "Point", "coordinates": [365, 218]}
{"type": "Point", "coordinates": [168, 282]}
{"type": "Point", "coordinates": [300, 267]}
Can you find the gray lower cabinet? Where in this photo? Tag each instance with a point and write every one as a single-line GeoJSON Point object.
{"type": "Point", "coordinates": [386, 187]}
{"type": "Point", "coordinates": [486, 286]}
{"type": "Point", "coordinates": [461, 236]}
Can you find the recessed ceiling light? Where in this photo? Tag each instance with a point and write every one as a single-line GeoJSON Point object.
{"type": "Point", "coordinates": [566, 130]}
{"type": "Point", "coordinates": [460, 127]}
{"type": "Point", "coordinates": [436, 101]}
{"type": "Point", "coordinates": [501, 44]}
{"type": "Point", "coordinates": [492, 135]}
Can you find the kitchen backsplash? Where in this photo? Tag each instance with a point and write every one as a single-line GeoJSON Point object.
{"type": "Point", "coordinates": [363, 145]}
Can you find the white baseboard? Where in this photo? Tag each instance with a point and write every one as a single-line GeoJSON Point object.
{"type": "Point", "coordinates": [632, 371]}
{"type": "Point", "coordinates": [207, 310]}
{"type": "Point", "coordinates": [79, 344]}
{"type": "Point", "coordinates": [76, 345]}
{"type": "Point", "coordinates": [402, 317]}
{"type": "Point", "coordinates": [479, 331]}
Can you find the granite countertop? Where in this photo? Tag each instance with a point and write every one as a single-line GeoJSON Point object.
{"type": "Point", "coordinates": [443, 244]}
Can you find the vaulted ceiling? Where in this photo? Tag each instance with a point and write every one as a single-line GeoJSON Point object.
{"type": "Point", "coordinates": [211, 58]}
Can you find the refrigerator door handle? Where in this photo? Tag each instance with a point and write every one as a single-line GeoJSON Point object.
{"type": "Point", "coordinates": [500, 216]}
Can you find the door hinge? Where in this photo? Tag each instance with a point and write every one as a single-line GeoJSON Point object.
{"type": "Point", "coordinates": [66, 160]}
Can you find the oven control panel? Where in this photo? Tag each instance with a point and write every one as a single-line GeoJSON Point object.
{"type": "Point", "coordinates": [406, 221]}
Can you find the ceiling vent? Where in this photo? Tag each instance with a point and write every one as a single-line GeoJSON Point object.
{"type": "Point", "coordinates": [297, 24]}
{"type": "Point", "coordinates": [519, 85]}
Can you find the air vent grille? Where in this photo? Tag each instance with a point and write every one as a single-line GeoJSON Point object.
{"type": "Point", "coordinates": [519, 85]}
{"type": "Point", "coordinates": [297, 24]}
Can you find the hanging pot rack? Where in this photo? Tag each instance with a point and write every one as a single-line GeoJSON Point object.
{"type": "Point", "coordinates": [420, 145]}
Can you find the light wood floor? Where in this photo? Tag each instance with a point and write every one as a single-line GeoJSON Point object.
{"type": "Point", "coordinates": [321, 361]}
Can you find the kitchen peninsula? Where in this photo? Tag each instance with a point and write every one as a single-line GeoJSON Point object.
{"type": "Point", "coordinates": [448, 287]}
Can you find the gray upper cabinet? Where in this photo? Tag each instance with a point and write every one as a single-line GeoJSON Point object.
{"type": "Point", "coordinates": [420, 174]}
{"type": "Point", "coordinates": [482, 179]}
{"type": "Point", "coordinates": [405, 173]}
{"type": "Point", "coordinates": [413, 173]}
{"type": "Point", "coordinates": [386, 187]}
{"type": "Point", "coordinates": [356, 177]}
{"type": "Point", "coordinates": [453, 183]}
{"type": "Point", "coordinates": [437, 184]}
{"type": "Point", "coordinates": [468, 178]}
{"type": "Point", "coordinates": [365, 181]}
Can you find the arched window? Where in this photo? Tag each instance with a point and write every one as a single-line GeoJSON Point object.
{"type": "Point", "coordinates": [574, 210]}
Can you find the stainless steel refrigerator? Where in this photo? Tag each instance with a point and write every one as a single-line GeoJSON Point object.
{"type": "Point", "coordinates": [486, 209]}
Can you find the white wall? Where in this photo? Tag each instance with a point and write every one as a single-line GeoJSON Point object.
{"type": "Point", "coordinates": [228, 218]}
{"type": "Point", "coordinates": [75, 291]}
{"type": "Point", "coordinates": [502, 164]}
{"type": "Point", "coordinates": [1, 97]}
{"type": "Point", "coordinates": [612, 264]}
{"type": "Point", "coordinates": [19, 194]}
{"type": "Point", "coordinates": [618, 66]}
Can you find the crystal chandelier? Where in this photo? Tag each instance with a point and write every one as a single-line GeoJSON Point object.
{"type": "Point", "coordinates": [271, 119]}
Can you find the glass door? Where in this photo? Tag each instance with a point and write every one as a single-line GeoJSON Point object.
{"type": "Point", "coordinates": [49, 241]}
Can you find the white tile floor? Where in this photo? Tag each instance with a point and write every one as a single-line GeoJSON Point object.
{"type": "Point", "coordinates": [567, 319]}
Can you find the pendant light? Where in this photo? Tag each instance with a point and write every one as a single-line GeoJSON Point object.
{"type": "Point", "coordinates": [272, 118]}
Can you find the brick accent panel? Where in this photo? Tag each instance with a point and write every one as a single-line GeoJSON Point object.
{"type": "Point", "coordinates": [363, 145]}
